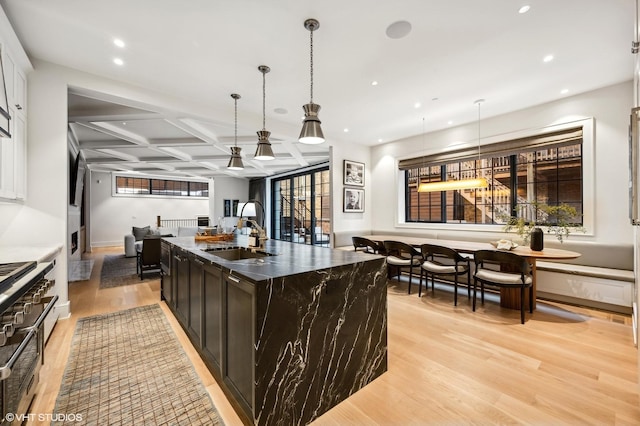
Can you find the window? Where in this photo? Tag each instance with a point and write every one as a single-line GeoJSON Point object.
{"type": "Point", "coordinates": [521, 173]}
{"type": "Point", "coordinates": [160, 187]}
{"type": "Point", "coordinates": [302, 208]}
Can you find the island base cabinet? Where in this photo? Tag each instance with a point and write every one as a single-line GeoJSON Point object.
{"type": "Point", "coordinates": [195, 299]}
{"type": "Point", "coordinates": [182, 287]}
{"type": "Point", "coordinates": [212, 334]}
{"type": "Point", "coordinates": [239, 339]}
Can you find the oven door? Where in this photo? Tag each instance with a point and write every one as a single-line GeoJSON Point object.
{"type": "Point", "coordinates": [21, 358]}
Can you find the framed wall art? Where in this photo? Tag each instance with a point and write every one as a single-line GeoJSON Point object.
{"type": "Point", "coordinates": [353, 173]}
{"type": "Point", "coordinates": [353, 200]}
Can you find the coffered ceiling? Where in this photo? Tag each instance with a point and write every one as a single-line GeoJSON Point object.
{"type": "Point", "coordinates": [374, 83]}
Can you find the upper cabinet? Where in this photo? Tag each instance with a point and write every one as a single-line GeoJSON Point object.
{"type": "Point", "coordinates": [16, 84]}
{"type": "Point", "coordinates": [13, 151]}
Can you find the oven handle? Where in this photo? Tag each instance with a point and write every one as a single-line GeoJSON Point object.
{"type": "Point", "coordinates": [5, 370]}
{"type": "Point", "coordinates": [43, 315]}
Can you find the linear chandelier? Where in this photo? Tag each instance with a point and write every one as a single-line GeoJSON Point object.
{"type": "Point", "coordinates": [453, 185]}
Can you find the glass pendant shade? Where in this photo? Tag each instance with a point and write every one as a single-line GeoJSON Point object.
{"type": "Point", "coordinates": [311, 133]}
{"type": "Point", "coordinates": [264, 151]}
{"type": "Point", "coordinates": [235, 162]}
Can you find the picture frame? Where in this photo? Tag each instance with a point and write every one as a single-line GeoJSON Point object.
{"type": "Point", "coordinates": [353, 173]}
{"type": "Point", "coordinates": [353, 200]}
{"type": "Point", "coordinates": [227, 208]}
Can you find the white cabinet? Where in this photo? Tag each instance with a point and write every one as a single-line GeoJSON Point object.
{"type": "Point", "coordinates": [13, 151]}
{"type": "Point", "coordinates": [13, 160]}
{"type": "Point", "coordinates": [15, 83]}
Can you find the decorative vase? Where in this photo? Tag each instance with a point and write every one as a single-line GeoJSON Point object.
{"type": "Point", "coordinates": [537, 239]}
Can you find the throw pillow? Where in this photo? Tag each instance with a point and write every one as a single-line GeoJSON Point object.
{"type": "Point", "coordinates": [140, 233]}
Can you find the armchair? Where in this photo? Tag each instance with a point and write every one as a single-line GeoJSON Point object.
{"type": "Point", "coordinates": [148, 258]}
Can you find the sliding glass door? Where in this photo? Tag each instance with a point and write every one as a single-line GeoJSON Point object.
{"type": "Point", "coordinates": [301, 208]}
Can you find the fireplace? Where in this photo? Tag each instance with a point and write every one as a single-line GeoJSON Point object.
{"type": "Point", "coordinates": [74, 242]}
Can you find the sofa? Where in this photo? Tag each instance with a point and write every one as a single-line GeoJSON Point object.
{"type": "Point", "coordinates": [134, 240]}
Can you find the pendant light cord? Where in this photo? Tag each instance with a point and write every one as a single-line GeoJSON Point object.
{"type": "Point", "coordinates": [264, 94]}
{"type": "Point", "coordinates": [311, 57]}
{"type": "Point", "coordinates": [235, 123]}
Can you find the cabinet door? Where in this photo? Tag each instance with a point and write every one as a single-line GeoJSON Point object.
{"type": "Point", "coordinates": [7, 164]}
{"type": "Point", "coordinates": [182, 288]}
{"type": "Point", "coordinates": [195, 299]}
{"type": "Point", "coordinates": [212, 333]}
{"type": "Point", "coordinates": [19, 138]}
{"type": "Point", "coordinates": [239, 338]}
{"type": "Point", "coordinates": [167, 280]}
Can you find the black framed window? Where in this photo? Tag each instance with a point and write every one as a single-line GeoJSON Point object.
{"type": "Point", "coordinates": [301, 207]}
{"type": "Point", "coordinates": [160, 187]}
{"type": "Point", "coordinates": [520, 177]}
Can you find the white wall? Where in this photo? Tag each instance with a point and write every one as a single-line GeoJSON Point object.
{"type": "Point", "coordinates": [227, 189]}
{"type": "Point", "coordinates": [112, 217]}
{"type": "Point", "coordinates": [608, 107]}
{"type": "Point", "coordinates": [350, 221]}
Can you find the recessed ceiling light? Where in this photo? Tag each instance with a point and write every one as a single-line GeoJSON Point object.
{"type": "Point", "coordinates": [398, 29]}
{"type": "Point", "coordinates": [346, 130]}
{"type": "Point", "coordinates": [374, 83]}
{"type": "Point", "coordinates": [524, 9]}
{"type": "Point", "coordinates": [564, 91]}
{"type": "Point", "coordinates": [118, 42]}
{"type": "Point", "coordinates": [280, 111]}
{"type": "Point", "coordinates": [450, 122]}
{"type": "Point", "coordinates": [548, 58]}
{"type": "Point", "coordinates": [118, 61]}
{"type": "Point", "coordinates": [379, 140]}
{"type": "Point", "coordinates": [417, 105]}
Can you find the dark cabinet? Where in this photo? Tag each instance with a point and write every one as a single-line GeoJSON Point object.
{"type": "Point", "coordinates": [212, 333]}
{"type": "Point", "coordinates": [239, 338]}
{"type": "Point", "coordinates": [181, 286]}
{"type": "Point", "coordinates": [195, 298]}
{"type": "Point", "coordinates": [167, 286]}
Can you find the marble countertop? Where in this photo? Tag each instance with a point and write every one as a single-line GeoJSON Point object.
{"type": "Point", "coordinates": [45, 253]}
{"type": "Point", "coordinates": [288, 258]}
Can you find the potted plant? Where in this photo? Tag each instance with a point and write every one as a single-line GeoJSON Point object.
{"type": "Point", "coordinates": [559, 220]}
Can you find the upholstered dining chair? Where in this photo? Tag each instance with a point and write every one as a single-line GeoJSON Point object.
{"type": "Point", "coordinates": [402, 255]}
{"type": "Point", "coordinates": [149, 255]}
{"type": "Point", "coordinates": [503, 269]}
{"type": "Point", "coordinates": [439, 261]}
{"type": "Point", "coordinates": [366, 245]}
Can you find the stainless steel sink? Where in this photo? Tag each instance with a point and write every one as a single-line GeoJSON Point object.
{"type": "Point", "coordinates": [239, 253]}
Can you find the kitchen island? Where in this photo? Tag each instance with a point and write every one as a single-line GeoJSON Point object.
{"type": "Point", "coordinates": [289, 331]}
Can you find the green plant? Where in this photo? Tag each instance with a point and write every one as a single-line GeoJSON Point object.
{"type": "Point", "coordinates": [559, 221]}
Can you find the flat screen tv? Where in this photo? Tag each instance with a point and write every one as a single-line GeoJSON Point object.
{"type": "Point", "coordinates": [76, 180]}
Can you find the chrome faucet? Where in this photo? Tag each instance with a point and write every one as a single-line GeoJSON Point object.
{"type": "Point", "coordinates": [262, 234]}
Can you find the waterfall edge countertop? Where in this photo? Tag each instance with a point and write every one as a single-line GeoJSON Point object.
{"type": "Point", "coordinates": [285, 258]}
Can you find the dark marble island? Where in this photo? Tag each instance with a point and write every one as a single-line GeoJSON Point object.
{"type": "Point", "coordinates": [290, 334]}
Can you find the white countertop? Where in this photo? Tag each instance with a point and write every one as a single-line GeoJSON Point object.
{"type": "Point", "coordinates": [28, 253]}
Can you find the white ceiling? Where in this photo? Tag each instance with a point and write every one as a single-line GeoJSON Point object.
{"type": "Point", "coordinates": [204, 50]}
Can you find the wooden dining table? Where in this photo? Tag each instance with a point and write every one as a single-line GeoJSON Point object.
{"type": "Point", "coordinates": [509, 297]}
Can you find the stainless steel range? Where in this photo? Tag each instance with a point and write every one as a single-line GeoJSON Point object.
{"type": "Point", "coordinates": [24, 305]}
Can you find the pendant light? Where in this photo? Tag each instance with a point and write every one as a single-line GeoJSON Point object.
{"type": "Point", "coordinates": [235, 162]}
{"type": "Point", "coordinates": [264, 151]}
{"type": "Point", "coordinates": [452, 185]}
{"type": "Point", "coordinates": [311, 131]}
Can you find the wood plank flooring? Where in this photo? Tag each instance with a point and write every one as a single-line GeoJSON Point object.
{"type": "Point", "coordinates": [565, 365]}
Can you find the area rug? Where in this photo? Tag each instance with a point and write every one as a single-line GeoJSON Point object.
{"type": "Point", "coordinates": [118, 270]}
{"type": "Point", "coordinates": [80, 270]}
{"type": "Point", "coordinates": [128, 368]}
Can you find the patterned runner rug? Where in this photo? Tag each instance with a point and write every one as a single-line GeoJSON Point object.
{"type": "Point", "coordinates": [118, 270]}
{"type": "Point", "coordinates": [128, 368]}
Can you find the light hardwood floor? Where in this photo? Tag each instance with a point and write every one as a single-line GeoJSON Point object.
{"type": "Point", "coordinates": [447, 365]}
